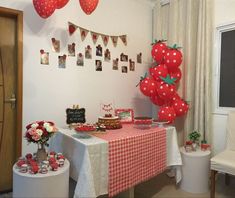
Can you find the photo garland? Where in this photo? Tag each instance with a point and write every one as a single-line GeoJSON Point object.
{"type": "Point", "coordinates": [100, 54]}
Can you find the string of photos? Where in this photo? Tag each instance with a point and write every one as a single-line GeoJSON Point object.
{"type": "Point", "coordinates": [95, 35]}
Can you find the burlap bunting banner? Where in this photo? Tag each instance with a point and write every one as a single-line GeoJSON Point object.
{"type": "Point", "coordinates": [83, 33]}
{"type": "Point", "coordinates": [123, 38]}
{"type": "Point", "coordinates": [114, 39]}
{"type": "Point", "coordinates": [105, 39]}
{"type": "Point", "coordinates": [72, 28]}
{"type": "Point", "coordinates": [95, 35]}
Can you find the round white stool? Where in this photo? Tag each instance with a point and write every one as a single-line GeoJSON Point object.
{"type": "Point", "coordinates": [53, 184]}
{"type": "Point", "coordinates": [195, 171]}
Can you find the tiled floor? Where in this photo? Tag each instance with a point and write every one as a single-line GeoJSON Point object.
{"type": "Point", "coordinates": [164, 187]}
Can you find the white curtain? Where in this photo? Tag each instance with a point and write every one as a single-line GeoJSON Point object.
{"type": "Point", "coordinates": [189, 23]}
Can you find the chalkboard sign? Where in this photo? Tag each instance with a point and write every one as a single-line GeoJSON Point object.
{"type": "Point", "coordinates": [75, 116]}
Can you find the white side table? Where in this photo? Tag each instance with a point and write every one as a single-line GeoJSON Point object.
{"type": "Point", "coordinates": [195, 171]}
{"type": "Point", "coordinates": [53, 184]}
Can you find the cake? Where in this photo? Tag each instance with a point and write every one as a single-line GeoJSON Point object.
{"type": "Point", "coordinates": [110, 122]}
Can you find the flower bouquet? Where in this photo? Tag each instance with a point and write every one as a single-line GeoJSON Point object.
{"type": "Point", "coordinates": [39, 132]}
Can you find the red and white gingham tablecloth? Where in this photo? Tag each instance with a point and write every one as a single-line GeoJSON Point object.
{"type": "Point", "coordinates": [135, 155]}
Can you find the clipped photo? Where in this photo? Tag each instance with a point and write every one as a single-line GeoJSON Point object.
{"type": "Point", "coordinates": [107, 55]}
{"type": "Point", "coordinates": [44, 57]}
{"type": "Point", "coordinates": [124, 69]}
{"type": "Point", "coordinates": [139, 58]}
{"type": "Point", "coordinates": [71, 49]}
{"type": "Point", "coordinates": [62, 61]}
{"type": "Point", "coordinates": [88, 52]}
{"type": "Point", "coordinates": [55, 45]}
{"type": "Point", "coordinates": [98, 50]}
{"type": "Point", "coordinates": [80, 60]}
{"type": "Point", "coordinates": [123, 57]}
{"type": "Point", "coordinates": [131, 65]}
{"type": "Point", "coordinates": [98, 65]}
{"type": "Point", "coordinates": [115, 64]}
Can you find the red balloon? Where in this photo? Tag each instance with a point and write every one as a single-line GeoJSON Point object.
{"type": "Point", "coordinates": [180, 107]}
{"type": "Point", "coordinates": [167, 114]}
{"type": "Point", "coordinates": [176, 74]}
{"type": "Point", "coordinates": [157, 100]}
{"type": "Point", "coordinates": [173, 99]}
{"type": "Point", "coordinates": [61, 3]}
{"type": "Point", "coordinates": [88, 6]}
{"type": "Point", "coordinates": [45, 8]}
{"type": "Point", "coordinates": [148, 87]}
{"type": "Point", "coordinates": [165, 91]}
{"type": "Point", "coordinates": [157, 71]}
{"type": "Point", "coordinates": [158, 51]}
{"type": "Point", "coordinates": [173, 58]}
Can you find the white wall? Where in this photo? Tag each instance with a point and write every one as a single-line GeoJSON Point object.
{"type": "Point", "coordinates": [48, 90]}
{"type": "Point", "coordinates": [223, 14]}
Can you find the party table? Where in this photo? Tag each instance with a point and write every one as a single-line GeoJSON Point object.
{"type": "Point", "coordinates": [118, 159]}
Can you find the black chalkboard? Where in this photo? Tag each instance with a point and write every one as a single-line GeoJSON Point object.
{"type": "Point", "coordinates": [75, 116]}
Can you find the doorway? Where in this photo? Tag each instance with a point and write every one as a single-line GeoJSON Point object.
{"type": "Point", "coordinates": [11, 42]}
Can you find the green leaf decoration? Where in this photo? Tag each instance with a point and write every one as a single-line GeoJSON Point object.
{"type": "Point", "coordinates": [175, 46]}
{"type": "Point", "coordinates": [168, 79]}
{"type": "Point", "coordinates": [158, 41]}
{"type": "Point", "coordinates": [142, 78]}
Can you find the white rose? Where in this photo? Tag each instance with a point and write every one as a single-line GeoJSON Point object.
{"type": "Point", "coordinates": [49, 128]}
{"type": "Point", "coordinates": [39, 132]}
{"type": "Point", "coordinates": [34, 125]}
{"type": "Point", "coordinates": [46, 124]}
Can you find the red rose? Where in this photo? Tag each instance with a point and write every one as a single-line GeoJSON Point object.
{"type": "Point", "coordinates": [41, 123]}
{"type": "Point", "coordinates": [28, 126]}
{"type": "Point", "coordinates": [28, 136]}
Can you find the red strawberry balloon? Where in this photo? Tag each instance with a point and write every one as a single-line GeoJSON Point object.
{"type": "Point", "coordinates": [157, 71]}
{"type": "Point", "coordinates": [157, 100]}
{"type": "Point", "coordinates": [180, 107]}
{"type": "Point", "coordinates": [61, 3]}
{"type": "Point", "coordinates": [176, 74]}
{"type": "Point", "coordinates": [45, 8]}
{"type": "Point", "coordinates": [173, 58]}
{"type": "Point", "coordinates": [173, 99]}
{"type": "Point", "coordinates": [166, 88]}
{"type": "Point", "coordinates": [166, 114]}
{"type": "Point", "coordinates": [158, 51]}
{"type": "Point", "coordinates": [148, 86]}
{"type": "Point", "coordinates": [88, 6]}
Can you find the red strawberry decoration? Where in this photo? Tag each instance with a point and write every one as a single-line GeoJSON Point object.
{"type": "Point", "coordinates": [34, 169]}
{"type": "Point", "coordinates": [148, 86]}
{"type": "Point", "coordinates": [166, 88]}
{"type": "Point", "coordinates": [173, 99]}
{"type": "Point", "coordinates": [157, 71]}
{"type": "Point", "coordinates": [158, 51]}
{"type": "Point", "coordinates": [173, 58]}
{"type": "Point", "coordinates": [45, 8]}
{"type": "Point", "coordinates": [88, 6]}
{"type": "Point", "coordinates": [157, 100]}
{"type": "Point", "coordinates": [167, 114]}
{"type": "Point", "coordinates": [176, 74]}
{"type": "Point", "coordinates": [61, 3]}
{"type": "Point", "coordinates": [180, 107]}
{"type": "Point", "coordinates": [28, 156]}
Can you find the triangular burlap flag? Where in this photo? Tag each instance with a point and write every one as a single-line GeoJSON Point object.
{"type": "Point", "coordinates": [114, 39]}
{"type": "Point", "coordinates": [94, 37]}
{"type": "Point", "coordinates": [105, 39]}
{"type": "Point", "coordinates": [72, 28]}
{"type": "Point", "coordinates": [83, 33]}
{"type": "Point", "coordinates": [123, 38]}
